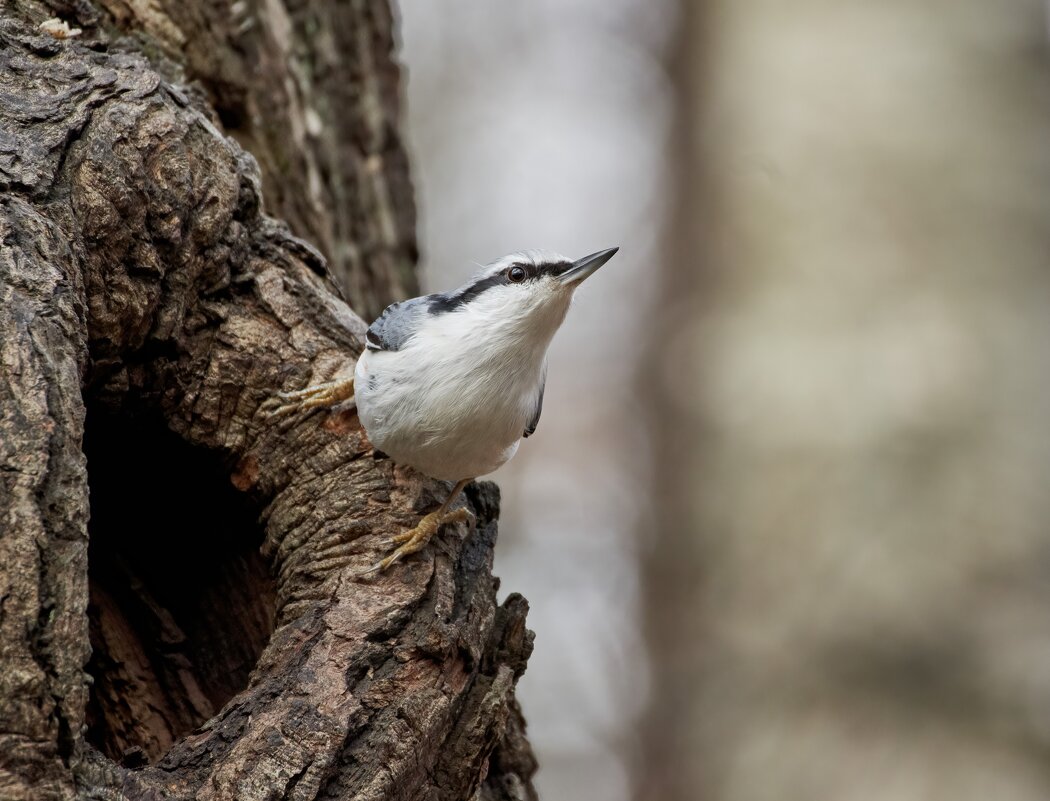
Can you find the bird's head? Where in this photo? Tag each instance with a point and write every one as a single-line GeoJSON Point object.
{"type": "Point", "coordinates": [526, 293]}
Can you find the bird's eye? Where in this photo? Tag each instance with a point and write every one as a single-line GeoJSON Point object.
{"type": "Point", "coordinates": [516, 274]}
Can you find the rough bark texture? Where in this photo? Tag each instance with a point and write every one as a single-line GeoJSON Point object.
{"type": "Point", "coordinates": [147, 308]}
{"type": "Point", "coordinates": [308, 87]}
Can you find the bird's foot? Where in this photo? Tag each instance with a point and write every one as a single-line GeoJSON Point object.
{"type": "Point", "coordinates": [415, 539]}
{"type": "Point", "coordinates": [304, 400]}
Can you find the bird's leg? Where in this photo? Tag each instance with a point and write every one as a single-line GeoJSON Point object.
{"type": "Point", "coordinates": [416, 539]}
{"type": "Point", "coordinates": [315, 397]}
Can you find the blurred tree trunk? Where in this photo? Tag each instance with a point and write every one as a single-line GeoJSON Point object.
{"type": "Point", "coordinates": [148, 305]}
{"type": "Point", "coordinates": [848, 590]}
{"type": "Point", "coordinates": [671, 758]}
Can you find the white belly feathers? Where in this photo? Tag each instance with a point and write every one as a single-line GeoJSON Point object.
{"type": "Point", "coordinates": [426, 408]}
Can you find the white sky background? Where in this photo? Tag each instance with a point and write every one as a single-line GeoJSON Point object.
{"type": "Point", "coordinates": [543, 125]}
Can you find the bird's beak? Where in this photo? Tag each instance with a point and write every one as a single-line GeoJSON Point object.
{"type": "Point", "coordinates": [585, 266]}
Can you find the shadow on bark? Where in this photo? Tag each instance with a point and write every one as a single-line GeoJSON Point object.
{"type": "Point", "coordinates": [182, 602]}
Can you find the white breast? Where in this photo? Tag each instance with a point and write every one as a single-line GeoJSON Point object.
{"type": "Point", "coordinates": [443, 413]}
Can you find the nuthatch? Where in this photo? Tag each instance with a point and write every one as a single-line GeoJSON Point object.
{"type": "Point", "coordinates": [450, 383]}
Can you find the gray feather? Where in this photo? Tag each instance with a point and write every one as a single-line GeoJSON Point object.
{"type": "Point", "coordinates": [396, 324]}
{"type": "Point", "coordinates": [530, 429]}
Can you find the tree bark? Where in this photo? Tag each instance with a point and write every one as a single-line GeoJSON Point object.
{"type": "Point", "coordinates": [148, 306]}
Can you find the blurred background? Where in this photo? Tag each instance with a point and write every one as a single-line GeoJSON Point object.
{"type": "Point", "coordinates": [784, 524]}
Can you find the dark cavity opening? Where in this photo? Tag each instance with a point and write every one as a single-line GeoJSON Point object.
{"type": "Point", "coordinates": [182, 603]}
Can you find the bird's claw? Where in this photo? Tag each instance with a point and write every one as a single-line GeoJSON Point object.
{"type": "Point", "coordinates": [415, 539]}
{"type": "Point", "coordinates": [309, 398]}
{"type": "Point", "coordinates": [368, 571]}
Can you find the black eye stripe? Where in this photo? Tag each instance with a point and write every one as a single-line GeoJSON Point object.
{"type": "Point", "coordinates": [450, 301]}
{"type": "Point", "coordinates": [533, 271]}
{"type": "Point", "coordinates": [553, 267]}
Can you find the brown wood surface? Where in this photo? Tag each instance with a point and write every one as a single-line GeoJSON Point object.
{"type": "Point", "coordinates": [203, 637]}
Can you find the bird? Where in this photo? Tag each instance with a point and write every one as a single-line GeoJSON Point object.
{"type": "Point", "coordinates": [450, 383]}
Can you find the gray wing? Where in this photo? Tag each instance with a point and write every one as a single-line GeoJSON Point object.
{"type": "Point", "coordinates": [396, 324]}
{"type": "Point", "coordinates": [530, 429]}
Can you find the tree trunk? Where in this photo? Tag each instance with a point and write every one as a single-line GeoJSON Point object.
{"type": "Point", "coordinates": [208, 639]}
